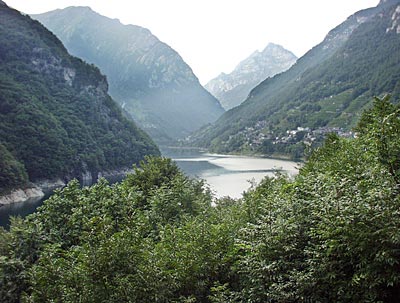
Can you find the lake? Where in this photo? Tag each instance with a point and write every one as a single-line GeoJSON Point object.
{"type": "Point", "coordinates": [229, 175]}
{"type": "Point", "coordinates": [226, 175]}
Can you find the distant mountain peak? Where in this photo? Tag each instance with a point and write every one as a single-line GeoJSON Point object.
{"type": "Point", "coordinates": [78, 8]}
{"type": "Point", "coordinates": [231, 89]}
{"type": "Point", "coordinates": [388, 2]}
{"type": "Point", "coordinates": [271, 45]}
{"type": "Point", "coordinates": [79, 11]}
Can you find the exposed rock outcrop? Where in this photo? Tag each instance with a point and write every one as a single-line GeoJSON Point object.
{"type": "Point", "coordinates": [33, 191]}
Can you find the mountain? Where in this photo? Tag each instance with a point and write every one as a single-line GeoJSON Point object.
{"type": "Point", "coordinates": [325, 90]}
{"type": "Point", "coordinates": [147, 77]}
{"type": "Point", "coordinates": [56, 118]}
{"type": "Point", "coordinates": [232, 89]}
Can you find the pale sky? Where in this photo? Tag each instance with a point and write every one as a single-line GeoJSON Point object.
{"type": "Point", "coordinates": [213, 36]}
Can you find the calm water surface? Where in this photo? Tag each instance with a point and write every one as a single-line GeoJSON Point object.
{"type": "Point", "coordinates": [19, 209]}
{"type": "Point", "coordinates": [226, 175]}
{"type": "Point", "coordinates": [232, 175]}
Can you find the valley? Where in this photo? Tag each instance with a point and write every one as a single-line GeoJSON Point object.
{"type": "Point", "coordinates": [275, 182]}
{"type": "Point", "coordinates": [147, 78]}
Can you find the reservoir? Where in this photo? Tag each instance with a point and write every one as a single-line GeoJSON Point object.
{"type": "Point", "coordinates": [229, 175]}
{"type": "Point", "coordinates": [226, 175]}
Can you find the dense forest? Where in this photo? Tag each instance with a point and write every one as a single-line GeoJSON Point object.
{"type": "Point", "coordinates": [56, 118]}
{"type": "Point", "coordinates": [330, 234]}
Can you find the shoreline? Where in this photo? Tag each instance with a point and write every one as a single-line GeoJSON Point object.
{"type": "Point", "coordinates": [38, 190]}
{"type": "Point", "coordinates": [244, 154]}
{"type": "Point", "coordinates": [32, 191]}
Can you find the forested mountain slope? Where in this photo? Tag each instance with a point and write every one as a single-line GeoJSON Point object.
{"type": "Point", "coordinates": [328, 87]}
{"type": "Point", "coordinates": [147, 77]}
{"type": "Point", "coordinates": [56, 118]}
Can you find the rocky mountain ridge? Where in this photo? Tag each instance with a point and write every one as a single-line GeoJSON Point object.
{"type": "Point", "coordinates": [232, 89]}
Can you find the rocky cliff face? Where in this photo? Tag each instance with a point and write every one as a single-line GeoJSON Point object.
{"type": "Point", "coordinates": [146, 76]}
{"type": "Point", "coordinates": [395, 21]}
{"type": "Point", "coordinates": [388, 2]}
{"type": "Point", "coordinates": [232, 89]}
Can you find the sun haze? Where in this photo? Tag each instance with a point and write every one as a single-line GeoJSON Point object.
{"type": "Point", "coordinates": [214, 36]}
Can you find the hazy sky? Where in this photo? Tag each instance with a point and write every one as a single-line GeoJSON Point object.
{"type": "Point", "coordinates": [213, 36]}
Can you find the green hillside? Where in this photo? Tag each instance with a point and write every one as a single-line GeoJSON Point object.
{"type": "Point", "coordinates": [147, 77]}
{"type": "Point", "coordinates": [56, 118]}
{"type": "Point", "coordinates": [326, 90]}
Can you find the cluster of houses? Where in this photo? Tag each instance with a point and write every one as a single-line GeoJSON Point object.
{"type": "Point", "coordinates": [256, 136]}
{"type": "Point", "coordinates": [308, 136]}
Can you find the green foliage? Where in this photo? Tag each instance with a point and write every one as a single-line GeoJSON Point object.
{"type": "Point", "coordinates": [154, 173]}
{"type": "Point", "coordinates": [108, 243]}
{"type": "Point", "coordinates": [12, 172]}
{"type": "Point", "coordinates": [379, 128]}
{"type": "Point", "coordinates": [56, 119]}
{"type": "Point", "coordinates": [331, 234]}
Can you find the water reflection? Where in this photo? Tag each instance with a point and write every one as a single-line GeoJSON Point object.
{"type": "Point", "coordinates": [19, 209]}
{"type": "Point", "coordinates": [232, 175]}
